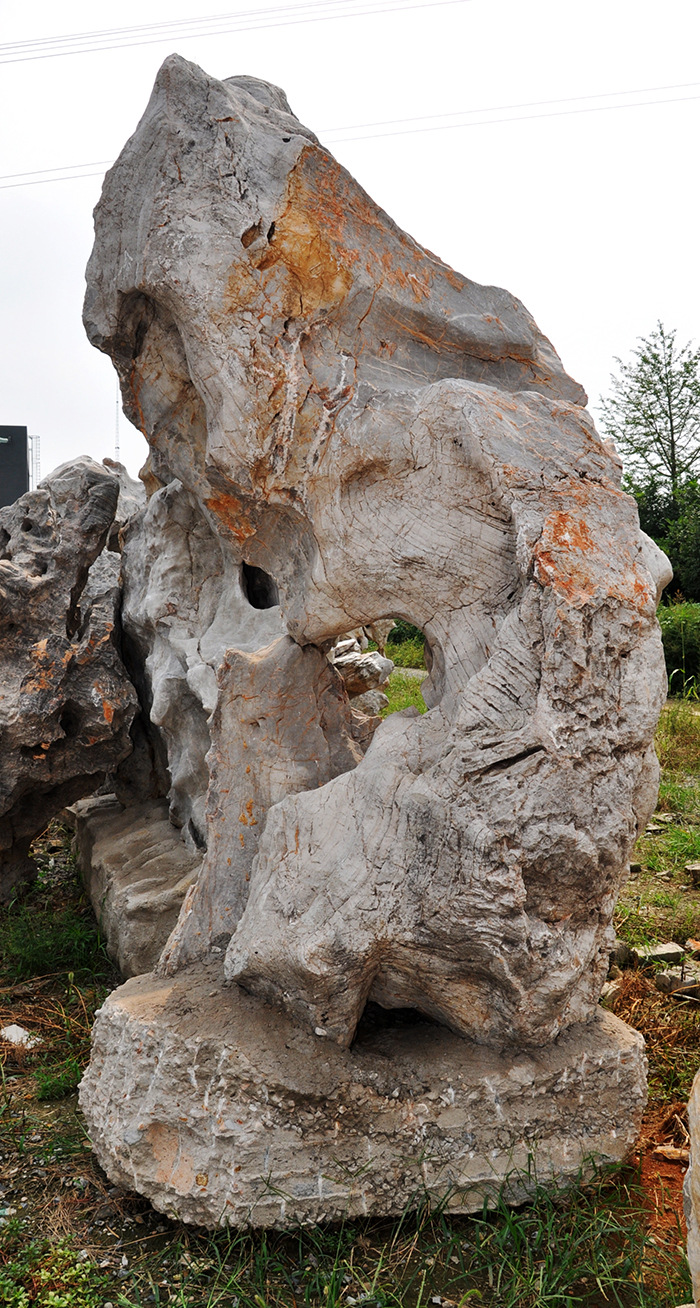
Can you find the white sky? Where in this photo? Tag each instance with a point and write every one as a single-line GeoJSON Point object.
{"type": "Point", "coordinates": [591, 218]}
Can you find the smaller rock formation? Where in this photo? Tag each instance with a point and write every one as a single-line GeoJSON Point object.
{"type": "Point", "coordinates": [66, 702]}
{"type": "Point", "coordinates": [137, 871]}
{"type": "Point", "coordinates": [360, 671]}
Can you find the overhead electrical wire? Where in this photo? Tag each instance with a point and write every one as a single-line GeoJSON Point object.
{"type": "Point", "coordinates": [243, 20]}
{"type": "Point", "coordinates": [426, 123]}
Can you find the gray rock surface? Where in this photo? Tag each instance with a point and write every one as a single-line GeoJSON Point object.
{"type": "Point", "coordinates": [366, 433]}
{"type": "Point", "coordinates": [221, 1111]}
{"type": "Point", "coordinates": [372, 702]}
{"type": "Point", "coordinates": [66, 702]}
{"type": "Point", "coordinates": [670, 952]}
{"type": "Point", "coordinates": [691, 1188]}
{"type": "Point", "coordinates": [137, 871]}
{"type": "Point", "coordinates": [184, 605]}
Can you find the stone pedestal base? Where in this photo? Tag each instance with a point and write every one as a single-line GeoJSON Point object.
{"type": "Point", "coordinates": [219, 1110]}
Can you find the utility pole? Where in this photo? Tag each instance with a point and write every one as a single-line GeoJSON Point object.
{"type": "Point", "coordinates": [34, 461]}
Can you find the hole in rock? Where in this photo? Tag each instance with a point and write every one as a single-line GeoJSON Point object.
{"type": "Point", "coordinates": [4, 542]}
{"type": "Point", "coordinates": [70, 720]}
{"type": "Point", "coordinates": [376, 1020]}
{"type": "Point", "coordinates": [27, 524]}
{"type": "Point", "coordinates": [197, 837]}
{"type": "Point", "coordinates": [251, 234]}
{"type": "Point", "coordinates": [259, 588]}
{"type": "Point", "coordinates": [417, 679]}
{"type": "Point", "coordinates": [270, 231]}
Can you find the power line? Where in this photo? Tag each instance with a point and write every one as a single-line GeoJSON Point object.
{"type": "Point", "coordinates": [7, 181]}
{"type": "Point", "coordinates": [526, 104]}
{"type": "Point", "coordinates": [515, 118]}
{"type": "Point", "coordinates": [191, 29]}
{"type": "Point", "coordinates": [43, 181]}
{"type": "Point", "coordinates": [33, 172]}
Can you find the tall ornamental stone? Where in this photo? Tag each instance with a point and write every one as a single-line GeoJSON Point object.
{"type": "Point", "coordinates": [361, 433]}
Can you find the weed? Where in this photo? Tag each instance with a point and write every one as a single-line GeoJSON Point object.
{"type": "Point", "coordinates": [39, 1274]}
{"type": "Point", "coordinates": [678, 737]}
{"type": "Point", "coordinates": [680, 632]}
{"type": "Point", "coordinates": [672, 1033]}
{"type": "Point", "coordinates": [59, 1080]}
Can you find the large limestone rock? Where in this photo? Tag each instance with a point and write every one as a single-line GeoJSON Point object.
{"type": "Point", "coordinates": [343, 430]}
{"type": "Point", "coordinates": [66, 703]}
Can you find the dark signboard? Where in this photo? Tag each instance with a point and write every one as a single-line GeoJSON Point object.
{"type": "Point", "coordinates": [14, 464]}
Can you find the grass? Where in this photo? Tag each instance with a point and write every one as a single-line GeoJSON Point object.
{"type": "Point", "coordinates": [402, 691]}
{"type": "Point", "coordinates": [35, 940]}
{"type": "Point", "coordinates": [671, 1031]}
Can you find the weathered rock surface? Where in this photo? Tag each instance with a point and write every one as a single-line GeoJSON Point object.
{"type": "Point", "coordinates": [691, 1188]}
{"type": "Point", "coordinates": [284, 708]}
{"type": "Point", "coordinates": [369, 434]}
{"type": "Point", "coordinates": [137, 871]}
{"type": "Point", "coordinates": [222, 1111]}
{"type": "Point", "coordinates": [66, 703]}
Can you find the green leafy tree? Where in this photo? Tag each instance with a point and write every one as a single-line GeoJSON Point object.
{"type": "Point", "coordinates": [653, 413]}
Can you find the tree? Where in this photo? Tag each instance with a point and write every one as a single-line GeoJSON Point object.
{"type": "Point", "coordinates": [653, 413]}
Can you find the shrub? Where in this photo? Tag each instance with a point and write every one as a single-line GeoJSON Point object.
{"type": "Point", "coordinates": [680, 630]}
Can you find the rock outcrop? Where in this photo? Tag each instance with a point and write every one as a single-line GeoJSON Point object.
{"type": "Point", "coordinates": [343, 430]}
{"type": "Point", "coordinates": [66, 703]}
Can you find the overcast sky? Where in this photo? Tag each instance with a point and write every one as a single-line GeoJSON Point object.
{"type": "Point", "coordinates": [589, 217]}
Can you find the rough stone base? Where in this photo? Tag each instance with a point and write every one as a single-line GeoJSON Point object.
{"type": "Point", "coordinates": [219, 1110]}
{"type": "Point", "coordinates": [136, 871]}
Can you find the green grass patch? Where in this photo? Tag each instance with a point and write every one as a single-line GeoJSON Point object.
{"type": "Point", "coordinates": [37, 940]}
{"type": "Point", "coordinates": [403, 692]}
{"type": "Point", "coordinates": [58, 1080]}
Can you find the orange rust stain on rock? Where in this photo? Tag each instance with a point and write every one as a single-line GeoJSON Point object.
{"type": "Point", "coordinates": [305, 246]}
{"type": "Point", "coordinates": [578, 564]}
{"type": "Point", "coordinates": [570, 532]}
{"type": "Point", "coordinates": [230, 511]}
{"type": "Point", "coordinates": [174, 1168]}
